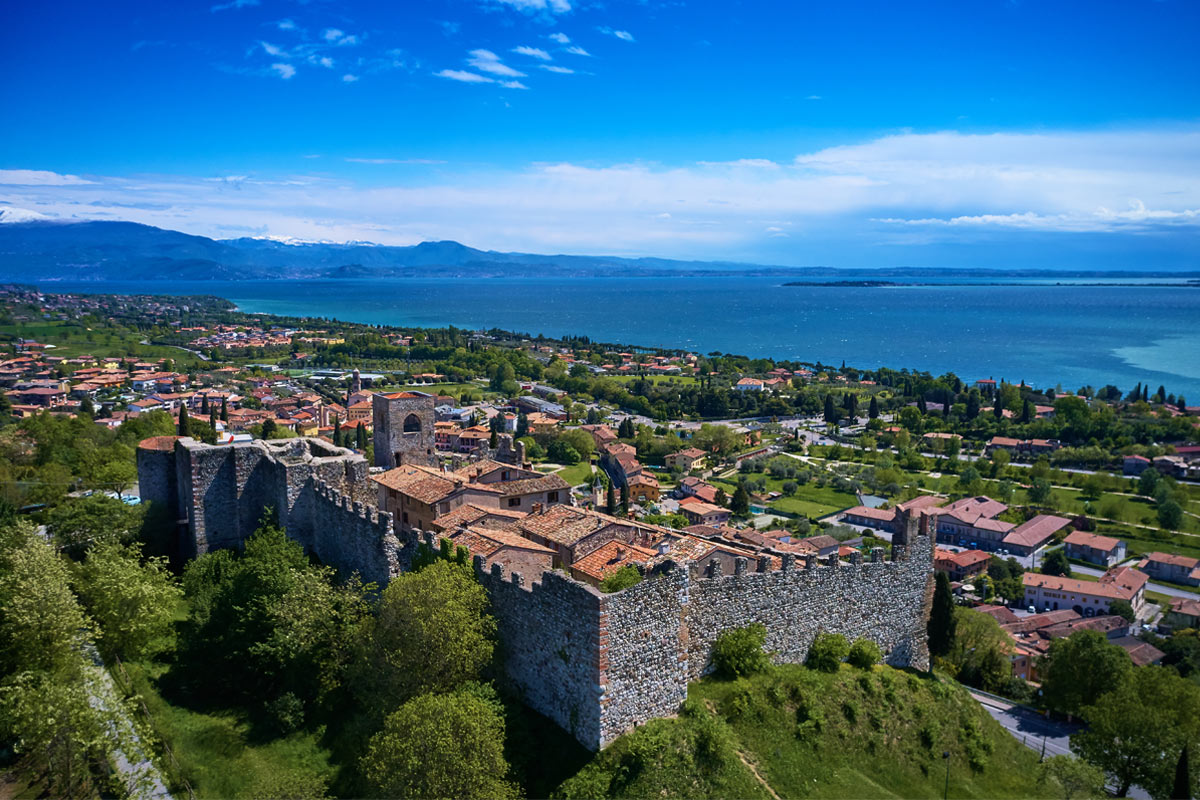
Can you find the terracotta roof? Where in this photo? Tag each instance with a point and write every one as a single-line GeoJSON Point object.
{"type": "Point", "coordinates": [470, 514]}
{"type": "Point", "coordinates": [485, 541]}
{"type": "Point", "coordinates": [1044, 620]}
{"type": "Point", "coordinates": [421, 483]}
{"type": "Point", "coordinates": [1001, 614]}
{"type": "Point", "coordinates": [921, 502]}
{"type": "Point", "coordinates": [1141, 652]}
{"type": "Point", "coordinates": [1037, 530]}
{"type": "Point", "coordinates": [971, 509]}
{"type": "Point", "coordinates": [567, 524]}
{"type": "Point", "coordinates": [871, 513]}
{"type": "Point", "coordinates": [1095, 541]}
{"type": "Point", "coordinates": [1173, 560]}
{"type": "Point", "coordinates": [610, 557]}
{"type": "Point", "coordinates": [1185, 605]}
{"type": "Point", "coordinates": [1118, 584]}
{"type": "Point", "coordinates": [544, 483]}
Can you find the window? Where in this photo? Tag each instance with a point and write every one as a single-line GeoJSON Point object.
{"type": "Point", "coordinates": [513, 502]}
{"type": "Point", "coordinates": [504, 475]}
{"type": "Point", "coordinates": [404, 516]}
{"type": "Point", "coordinates": [412, 424]}
{"type": "Point", "coordinates": [552, 497]}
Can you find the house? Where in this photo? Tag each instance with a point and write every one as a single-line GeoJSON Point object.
{"type": "Point", "coordinates": [885, 520]}
{"type": "Point", "coordinates": [1095, 549]}
{"type": "Point", "coordinates": [1167, 567]}
{"type": "Point", "coordinates": [601, 434]}
{"type": "Point", "coordinates": [643, 488]}
{"type": "Point", "coordinates": [1136, 465]}
{"type": "Point", "coordinates": [699, 512]}
{"type": "Point", "coordinates": [607, 559]}
{"type": "Point", "coordinates": [1053, 592]}
{"type": "Point", "coordinates": [822, 545]}
{"type": "Point", "coordinates": [471, 515]}
{"type": "Point", "coordinates": [1034, 534]}
{"type": "Point", "coordinates": [513, 552]}
{"type": "Point", "coordinates": [573, 532]}
{"type": "Point", "coordinates": [1022, 447]}
{"type": "Point", "coordinates": [960, 565]}
{"type": "Point", "coordinates": [1184, 612]}
{"type": "Point", "coordinates": [685, 460]}
{"type": "Point", "coordinates": [750, 385]}
{"type": "Point", "coordinates": [971, 522]}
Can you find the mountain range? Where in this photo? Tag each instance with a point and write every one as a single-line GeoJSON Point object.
{"type": "Point", "coordinates": [34, 249]}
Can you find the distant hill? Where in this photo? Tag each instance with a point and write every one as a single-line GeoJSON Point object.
{"type": "Point", "coordinates": [800, 733]}
{"type": "Point", "coordinates": [38, 249]}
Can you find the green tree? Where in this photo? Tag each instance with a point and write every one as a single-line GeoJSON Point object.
{"type": "Point", "coordinates": [447, 746]}
{"type": "Point", "coordinates": [337, 432]}
{"type": "Point", "coordinates": [740, 502]}
{"type": "Point", "coordinates": [611, 500]}
{"type": "Point", "coordinates": [738, 652]}
{"type": "Point", "coordinates": [941, 626]}
{"type": "Point", "coordinates": [185, 428]}
{"type": "Point", "coordinates": [1122, 609]}
{"type": "Point", "coordinates": [431, 632]}
{"type": "Point", "coordinates": [1039, 491]}
{"type": "Point", "coordinates": [1170, 515]}
{"type": "Point", "coordinates": [827, 652]}
{"type": "Point", "coordinates": [1148, 482]}
{"type": "Point", "coordinates": [623, 578]}
{"type": "Point", "coordinates": [133, 602]}
{"type": "Point", "coordinates": [224, 409]}
{"type": "Point", "coordinates": [82, 522]}
{"type": "Point", "coordinates": [864, 654]}
{"type": "Point", "coordinates": [1137, 729]}
{"type": "Point", "coordinates": [1076, 778]}
{"type": "Point", "coordinates": [1182, 789]}
{"type": "Point", "coordinates": [980, 655]}
{"type": "Point", "coordinates": [1056, 563]}
{"type": "Point", "coordinates": [86, 406]}
{"type": "Point", "coordinates": [1078, 669]}
{"type": "Point", "coordinates": [873, 408]}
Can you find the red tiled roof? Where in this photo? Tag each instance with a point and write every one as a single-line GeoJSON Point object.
{"type": "Point", "coordinates": [1095, 541]}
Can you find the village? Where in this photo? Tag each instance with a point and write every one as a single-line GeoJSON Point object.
{"type": "Point", "coordinates": [538, 474]}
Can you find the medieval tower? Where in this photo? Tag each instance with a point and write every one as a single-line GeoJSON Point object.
{"type": "Point", "coordinates": [403, 425]}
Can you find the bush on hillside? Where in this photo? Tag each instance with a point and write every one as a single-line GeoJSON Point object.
{"type": "Point", "coordinates": [827, 653]}
{"type": "Point", "coordinates": [864, 654]}
{"type": "Point", "coordinates": [738, 652]}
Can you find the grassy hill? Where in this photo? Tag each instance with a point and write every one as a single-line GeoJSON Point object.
{"type": "Point", "coordinates": [800, 733]}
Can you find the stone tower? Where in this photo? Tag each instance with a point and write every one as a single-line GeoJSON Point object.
{"type": "Point", "coordinates": [904, 533]}
{"type": "Point", "coordinates": [355, 382]}
{"type": "Point", "coordinates": [403, 425]}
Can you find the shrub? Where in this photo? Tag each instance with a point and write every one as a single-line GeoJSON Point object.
{"type": "Point", "coordinates": [864, 654]}
{"type": "Point", "coordinates": [827, 652]}
{"type": "Point", "coordinates": [623, 578]}
{"type": "Point", "coordinates": [739, 652]}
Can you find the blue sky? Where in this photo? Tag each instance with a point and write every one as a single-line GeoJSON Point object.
{"type": "Point", "coordinates": [1038, 134]}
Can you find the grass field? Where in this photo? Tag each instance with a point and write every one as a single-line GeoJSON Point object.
{"type": "Point", "coordinates": [796, 733]}
{"type": "Point", "coordinates": [809, 500]}
{"type": "Point", "coordinates": [682, 380]}
{"type": "Point", "coordinates": [576, 474]}
{"type": "Point", "coordinates": [71, 340]}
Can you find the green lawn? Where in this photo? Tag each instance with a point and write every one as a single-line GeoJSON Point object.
{"type": "Point", "coordinates": [809, 500]}
{"type": "Point", "coordinates": [217, 751]}
{"type": "Point", "coordinates": [796, 733]}
{"type": "Point", "coordinates": [577, 473]}
{"type": "Point", "coordinates": [683, 380]}
{"type": "Point", "coordinates": [71, 339]}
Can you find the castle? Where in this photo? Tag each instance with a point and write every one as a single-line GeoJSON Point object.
{"type": "Point", "coordinates": [597, 664]}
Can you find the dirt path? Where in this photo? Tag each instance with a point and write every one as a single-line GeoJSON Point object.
{"type": "Point", "coordinates": [754, 771]}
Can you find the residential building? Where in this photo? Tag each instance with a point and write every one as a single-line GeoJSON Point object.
{"type": "Point", "coordinates": [685, 460]}
{"type": "Point", "coordinates": [607, 559]}
{"type": "Point", "coordinates": [699, 512]}
{"type": "Point", "coordinates": [1087, 598]}
{"type": "Point", "coordinates": [1095, 549]}
{"type": "Point", "coordinates": [1184, 612]}
{"type": "Point", "coordinates": [961, 565]}
{"type": "Point", "coordinates": [1172, 568]}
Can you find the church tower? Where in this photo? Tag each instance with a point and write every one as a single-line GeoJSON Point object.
{"type": "Point", "coordinates": [403, 429]}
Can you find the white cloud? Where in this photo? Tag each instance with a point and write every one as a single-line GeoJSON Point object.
{"type": "Point", "coordinates": [561, 38]}
{"type": "Point", "coordinates": [234, 4]}
{"type": "Point", "coordinates": [622, 35]}
{"type": "Point", "coordinates": [463, 76]}
{"type": "Point", "coordinates": [324, 61]}
{"type": "Point", "coordinates": [532, 52]}
{"type": "Point", "coordinates": [339, 37]}
{"type": "Point", "coordinates": [38, 177]}
{"type": "Point", "coordinates": [285, 71]}
{"type": "Point", "coordinates": [559, 70]}
{"type": "Point", "coordinates": [394, 161]}
{"type": "Point", "coordinates": [535, 6]}
{"type": "Point", "coordinates": [348, 78]}
{"type": "Point", "coordinates": [513, 85]}
{"type": "Point", "coordinates": [273, 50]}
{"type": "Point", "coordinates": [814, 97]}
{"type": "Point", "coordinates": [909, 189]}
{"type": "Point", "coordinates": [286, 25]}
{"type": "Point", "coordinates": [487, 61]}
{"type": "Point", "coordinates": [579, 51]}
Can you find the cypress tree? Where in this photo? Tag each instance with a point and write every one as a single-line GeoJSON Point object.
{"type": "Point", "coordinates": [1146, 393]}
{"type": "Point", "coordinates": [86, 406]}
{"type": "Point", "coordinates": [494, 439]}
{"type": "Point", "coordinates": [740, 502]}
{"type": "Point", "coordinates": [998, 407]}
{"type": "Point", "coordinates": [1027, 411]}
{"type": "Point", "coordinates": [612, 499]}
{"type": "Point", "coordinates": [185, 427]}
{"type": "Point", "coordinates": [337, 432]}
{"type": "Point", "coordinates": [941, 627]}
{"type": "Point", "coordinates": [360, 437]}
{"type": "Point", "coordinates": [625, 499]}
{"type": "Point", "coordinates": [224, 410]}
{"type": "Point", "coordinates": [830, 411]}
{"type": "Point", "coordinates": [921, 404]}
{"type": "Point", "coordinates": [204, 404]}
{"type": "Point", "coordinates": [872, 410]}
{"type": "Point", "coordinates": [212, 418]}
{"type": "Point", "coordinates": [1183, 782]}
{"type": "Point", "coordinates": [972, 404]}
{"type": "Point", "coordinates": [1161, 394]}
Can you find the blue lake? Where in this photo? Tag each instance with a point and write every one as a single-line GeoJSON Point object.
{"type": "Point", "coordinates": [1046, 334]}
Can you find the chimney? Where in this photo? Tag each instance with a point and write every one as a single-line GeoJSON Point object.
{"type": "Point", "coordinates": [536, 508]}
{"type": "Point", "coordinates": [663, 547]}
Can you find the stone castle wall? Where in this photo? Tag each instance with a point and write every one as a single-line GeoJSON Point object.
{"type": "Point", "coordinates": [596, 664]}
{"type": "Point", "coordinates": [599, 665]}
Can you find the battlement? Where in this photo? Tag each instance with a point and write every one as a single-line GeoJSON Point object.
{"type": "Point", "coordinates": [597, 664]}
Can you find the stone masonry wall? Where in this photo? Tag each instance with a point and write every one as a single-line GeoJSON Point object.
{"type": "Point", "coordinates": [352, 536]}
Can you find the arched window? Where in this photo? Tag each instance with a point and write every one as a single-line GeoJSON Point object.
{"type": "Point", "coordinates": [412, 424]}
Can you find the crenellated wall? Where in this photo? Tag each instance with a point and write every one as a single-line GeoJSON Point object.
{"type": "Point", "coordinates": [597, 664]}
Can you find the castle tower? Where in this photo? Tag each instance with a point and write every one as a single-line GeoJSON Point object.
{"type": "Point", "coordinates": [355, 382]}
{"type": "Point", "coordinates": [403, 425]}
{"type": "Point", "coordinates": [904, 533]}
